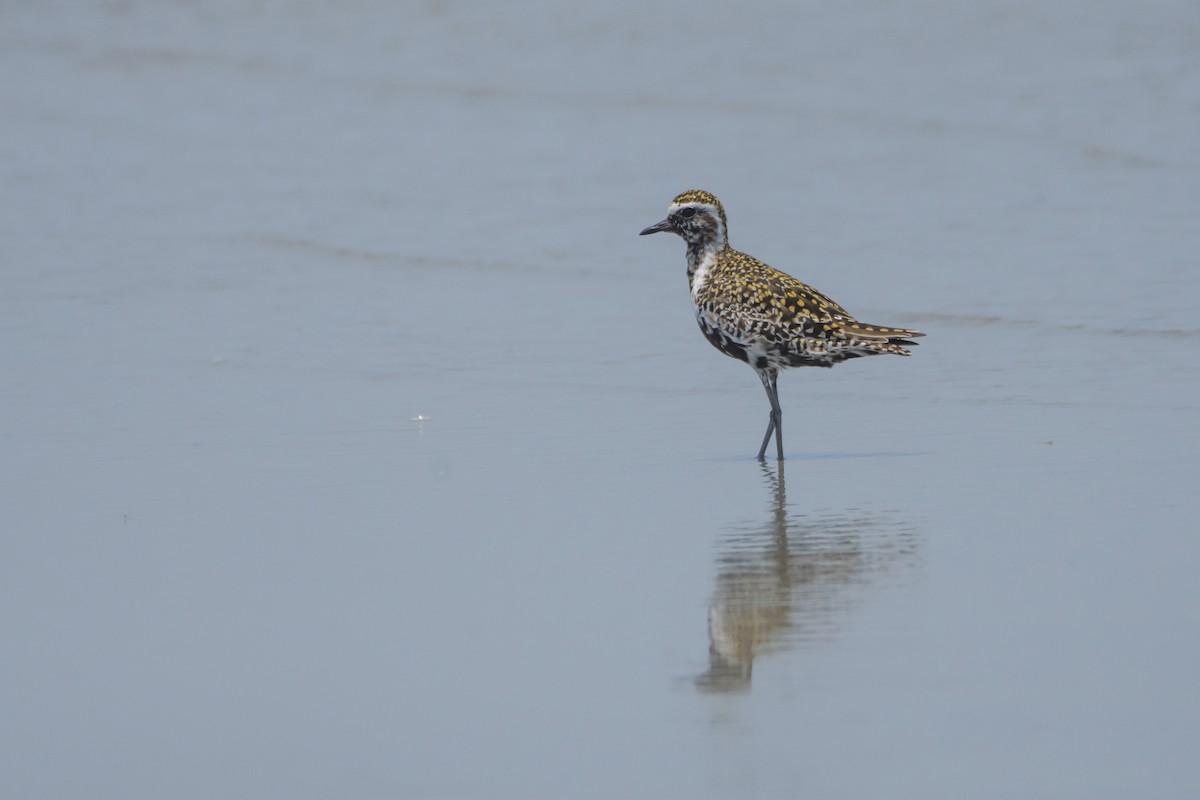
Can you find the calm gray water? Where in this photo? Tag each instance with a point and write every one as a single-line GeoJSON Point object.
{"type": "Point", "coordinates": [355, 446]}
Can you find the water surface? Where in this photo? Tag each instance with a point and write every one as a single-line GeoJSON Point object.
{"type": "Point", "coordinates": [356, 446]}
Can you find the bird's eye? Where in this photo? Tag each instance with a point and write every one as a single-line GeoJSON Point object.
{"type": "Point", "coordinates": [688, 212]}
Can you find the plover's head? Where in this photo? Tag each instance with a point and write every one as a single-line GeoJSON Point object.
{"type": "Point", "coordinates": [695, 215]}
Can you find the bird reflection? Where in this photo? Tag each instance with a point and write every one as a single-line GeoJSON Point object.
{"type": "Point", "coordinates": [790, 581]}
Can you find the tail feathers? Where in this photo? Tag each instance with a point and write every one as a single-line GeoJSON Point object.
{"type": "Point", "coordinates": [888, 340]}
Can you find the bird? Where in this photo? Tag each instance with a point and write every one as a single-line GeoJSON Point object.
{"type": "Point", "coordinates": [755, 313]}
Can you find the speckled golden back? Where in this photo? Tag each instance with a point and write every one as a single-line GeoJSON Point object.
{"type": "Point", "coordinates": [742, 282]}
{"type": "Point", "coordinates": [745, 305]}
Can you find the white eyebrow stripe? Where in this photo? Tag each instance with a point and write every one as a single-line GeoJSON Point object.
{"type": "Point", "coordinates": [671, 209]}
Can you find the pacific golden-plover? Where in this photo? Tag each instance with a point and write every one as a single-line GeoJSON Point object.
{"type": "Point", "coordinates": [756, 313]}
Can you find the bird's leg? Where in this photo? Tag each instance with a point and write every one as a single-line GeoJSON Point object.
{"type": "Point", "coordinates": [767, 437]}
{"type": "Point", "coordinates": [778, 411]}
{"type": "Point", "coordinates": [775, 425]}
{"type": "Point", "coordinates": [777, 415]}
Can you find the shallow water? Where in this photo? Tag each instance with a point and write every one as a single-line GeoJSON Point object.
{"type": "Point", "coordinates": [356, 446]}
